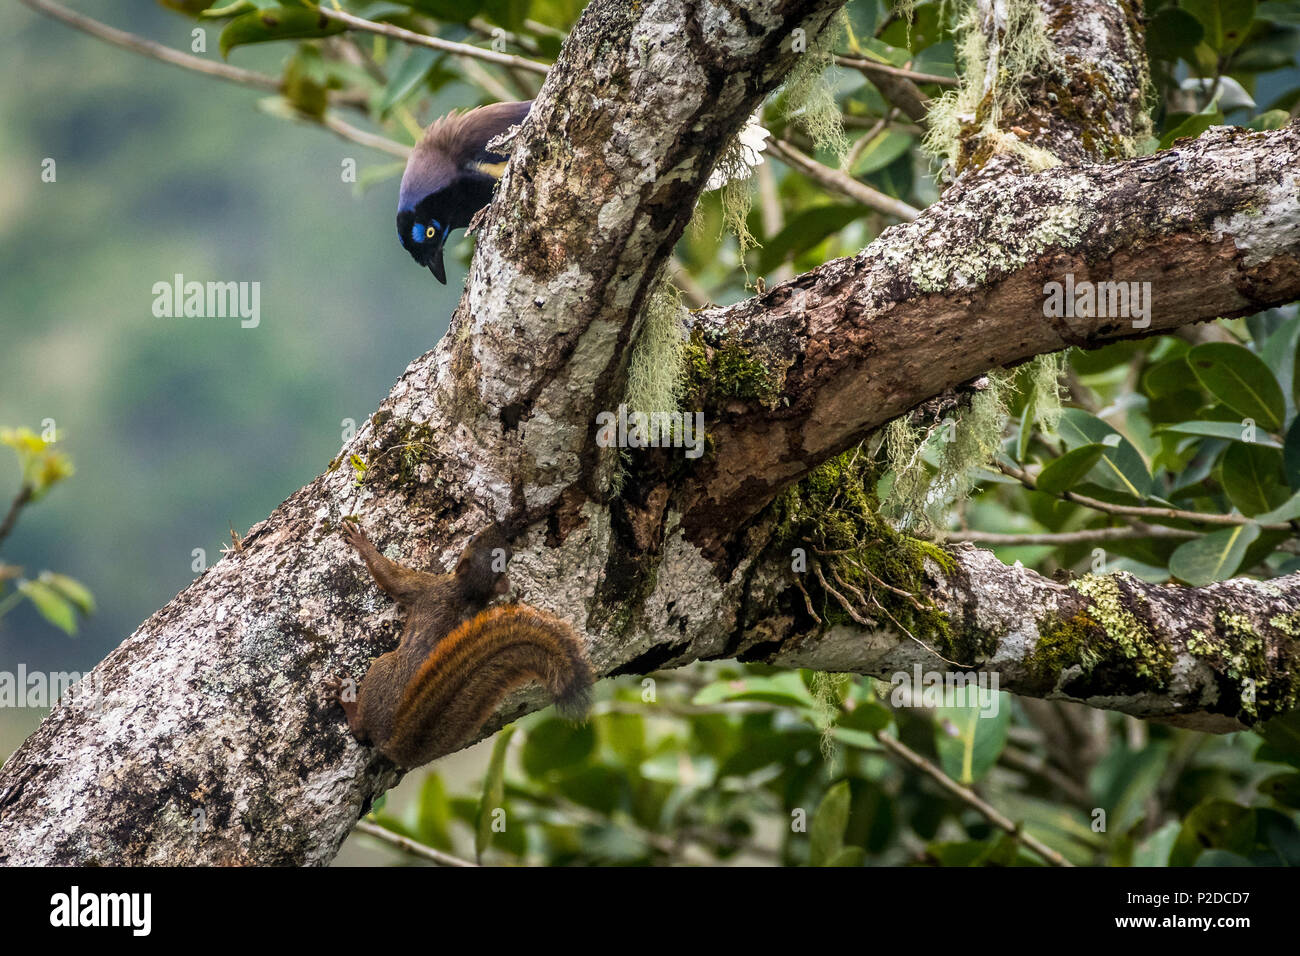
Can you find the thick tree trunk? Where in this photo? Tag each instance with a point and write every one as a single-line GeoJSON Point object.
{"type": "Point", "coordinates": [212, 738]}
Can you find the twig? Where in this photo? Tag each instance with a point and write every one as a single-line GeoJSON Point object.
{"type": "Point", "coordinates": [410, 846]}
{"type": "Point", "coordinates": [1142, 511]}
{"type": "Point", "coordinates": [884, 69]}
{"type": "Point", "coordinates": [1122, 533]}
{"type": "Point", "coordinates": [21, 499]}
{"type": "Point", "coordinates": [841, 182]}
{"type": "Point", "coordinates": [853, 155]}
{"type": "Point", "coordinates": [970, 798]}
{"type": "Point", "coordinates": [433, 43]}
{"type": "Point", "coordinates": [375, 141]}
{"type": "Point", "coordinates": [807, 600]}
{"type": "Point", "coordinates": [158, 51]}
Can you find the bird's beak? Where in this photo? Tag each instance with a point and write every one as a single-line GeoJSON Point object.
{"type": "Point", "coordinates": [435, 264]}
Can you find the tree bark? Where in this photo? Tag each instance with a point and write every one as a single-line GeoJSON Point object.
{"type": "Point", "coordinates": [211, 738]}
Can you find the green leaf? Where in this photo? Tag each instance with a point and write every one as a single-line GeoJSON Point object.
{"type": "Point", "coordinates": [1233, 431]}
{"type": "Point", "coordinates": [1279, 833]}
{"type": "Point", "coordinates": [448, 11]}
{"type": "Point", "coordinates": [806, 230]}
{"type": "Point", "coordinates": [1173, 33]}
{"type": "Point", "coordinates": [72, 589]}
{"type": "Point", "coordinates": [554, 744]}
{"type": "Point", "coordinates": [883, 150]}
{"type": "Point", "coordinates": [1291, 455]}
{"type": "Point", "coordinates": [1155, 849]}
{"type": "Point", "coordinates": [434, 814]}
{"type": "Point", "coordinates": [1252, 477]}
{"type": "Point", "coordinates": [1062, 474]}
{"type": "Point", "coordinates": [1026, 433]}
{"type": "Point", "coordinates": [1282, 787]}
{"type": "Point", "coordinates": [407, 78]}
{"type": "Point", "coordinates": [1288, 510]}
{"type": "Point", "coordinates": [826, 835]}
{"type": "Point", "coordinates": [1281, 739]}
{"type": "Point", "coordinates": [1121, 467]}
{"type": "Point", "coordinates": [508, 13]}
{"type": "Point", "coordinates": [849, 856]}
{"type": "Point", "coordinates": [1270, 120]}
{"type": "Point", "coordinates": [1217, 825]}
{"type": "Point", "coordinates": [190, 7]}
{"type": "Point", "coordinates": [494, 791]}
{"type": "Point", "coordinates": [1167, 377]}
{"type": "Point", "coordinates": [52, 605]}
{"type": "Point", "coordinates": [1213, 557]}
{"type": "Point", "coordinates": [1225, 21]}
{"type": "Point", "coordinates": [786, 689]}
{"type": "Point", "coordinates": [279, 23]}
{"type": "Point", "coordinates": [304, 82]}
{"type": "Point", "coordinates": [1123, 781]}
{"type": "Point", "coordinates": [1241, 380]}
{"type": "Point", "coordinates": [968, 742]}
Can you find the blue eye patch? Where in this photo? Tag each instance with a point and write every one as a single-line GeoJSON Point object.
{"type": "Point", "coordinates": [419, 233]}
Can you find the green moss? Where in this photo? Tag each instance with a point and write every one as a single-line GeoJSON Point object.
{"type": "Point", "coordinates": [1129, 638]}
{"type": "Point", "coordinates": [1100, 648]}
{"type": "Point", "coordinates": [1240, 653]}
{"type": "Point", "coordinates": [833, 514]}
{"type": "Point", "coordinates": [1288, 624]}
{"type": "Point", "coordinates": [715, 372]}
{"type": "Point", "coordinates": [1063, 644]}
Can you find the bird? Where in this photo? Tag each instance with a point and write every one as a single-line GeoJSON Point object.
{"type": "Point", "coordinates": [451, 173]}
{"type": "Point", "coordinates": [449, 177]}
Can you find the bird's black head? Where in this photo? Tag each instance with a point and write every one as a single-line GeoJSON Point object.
{"type": "Point", "coordinates": [424, 234]}
{"type": "Point", "coordinates": [424, 228]}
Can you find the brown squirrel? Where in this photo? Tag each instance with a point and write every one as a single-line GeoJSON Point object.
{"type": "Point", "coordinates": [457, 658]}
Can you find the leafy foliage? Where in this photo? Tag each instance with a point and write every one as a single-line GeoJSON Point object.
{"type": "Point", "coordinates": [58, 598]}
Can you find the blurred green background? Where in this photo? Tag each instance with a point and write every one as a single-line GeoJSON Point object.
{"type": "Point", "coordinates": [179, 428]}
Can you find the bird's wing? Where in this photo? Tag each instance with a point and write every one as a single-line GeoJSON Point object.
{"type": "Point", "coordinates": [456, 142]}
{"type": "Point", "coordinates": [464, 138]}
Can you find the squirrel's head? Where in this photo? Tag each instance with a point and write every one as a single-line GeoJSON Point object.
{"type": "Point", "coordinates": [481, 570]}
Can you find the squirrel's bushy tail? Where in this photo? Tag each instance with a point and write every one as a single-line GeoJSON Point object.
{"type": "Point", "coordinates": [466, 676]}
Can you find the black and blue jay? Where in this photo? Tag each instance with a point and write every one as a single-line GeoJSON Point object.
{"type": "Point", "coordinates": [451, 173]}
{"type": "Point", "coordinates": [449, 177]}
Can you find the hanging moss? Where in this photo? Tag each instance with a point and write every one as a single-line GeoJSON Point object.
{"type": "Point", "coordinates": [654, 375]}
{"type": "Point", "coordinates": [963, 125]}
{"type": "Point", "coordinates": [919, 498]}
{"type": "Point", "coordinates": [809, 93]}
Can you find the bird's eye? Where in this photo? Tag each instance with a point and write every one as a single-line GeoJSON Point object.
{"type": "Point", "coordinates": [417, 233]}
{"type": "Point", "coordinates": [430, 232]}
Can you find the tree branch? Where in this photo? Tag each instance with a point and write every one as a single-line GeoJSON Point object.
{"type": "Point", "coordinates": [1212, 226]}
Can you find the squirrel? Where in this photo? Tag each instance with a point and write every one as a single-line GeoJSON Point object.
{"type": "Point", "coordinates": [458, 658]}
